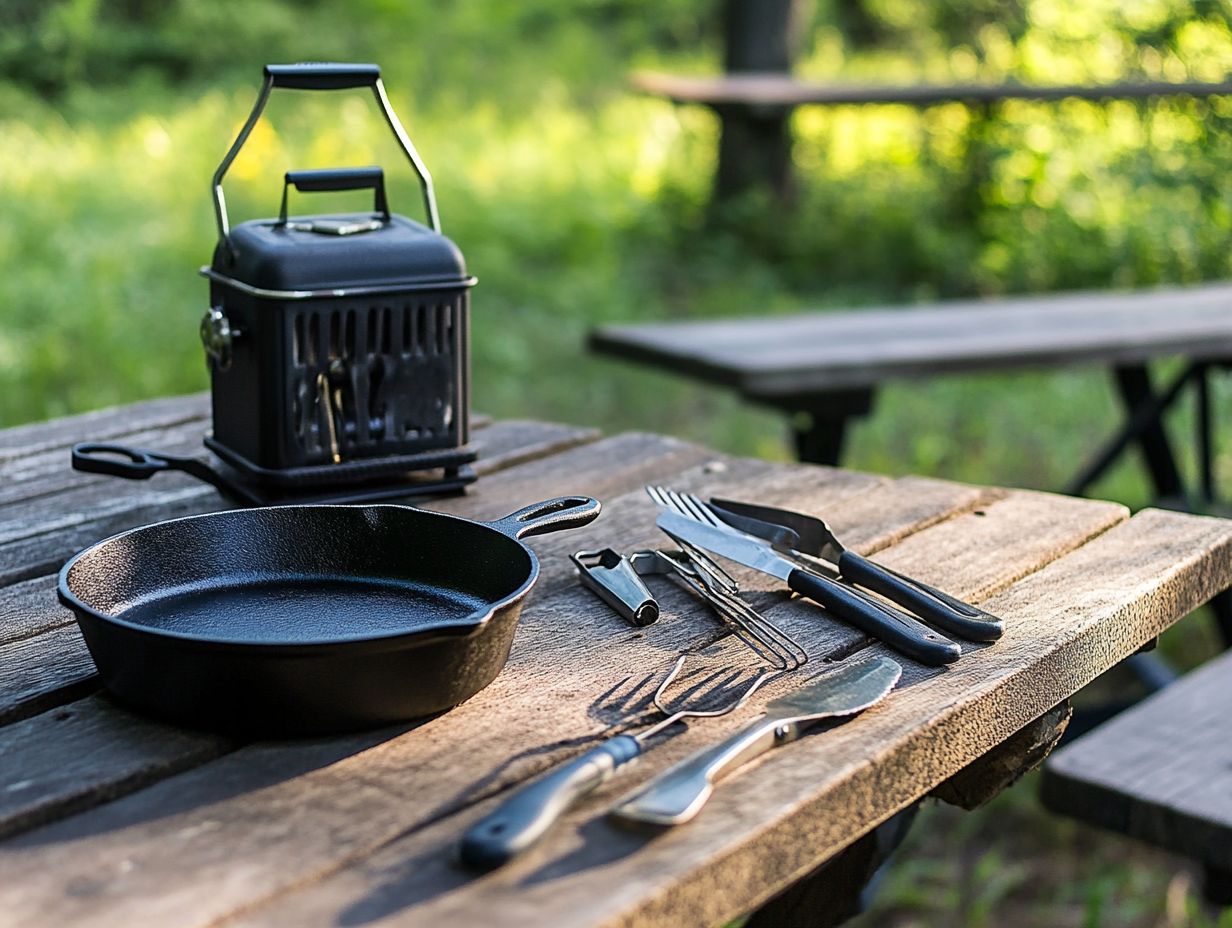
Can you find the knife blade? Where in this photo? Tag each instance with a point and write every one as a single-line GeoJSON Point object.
{"type": "Point", "coordinates": [678, 794]}
{"type": "Point", "coordinates": [819, 548]}
{"type": "Point", "coordinates": [897, 629]}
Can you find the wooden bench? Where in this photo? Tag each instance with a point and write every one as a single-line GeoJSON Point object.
{"type": "Point", "coordinates": [823, 368]}
{"type": "Point", "coordinates": [1161, 773]}
{"type": "Point", "coordinates": [754, 111]}
{"type": "Point", "coordinates": [756, 95]}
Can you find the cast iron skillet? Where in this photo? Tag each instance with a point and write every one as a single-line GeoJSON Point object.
{"type": "Point", "coordinates": [307, 619]}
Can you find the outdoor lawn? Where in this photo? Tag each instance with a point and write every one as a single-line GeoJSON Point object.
{"type": "Point", "coordinates": [578, 202]}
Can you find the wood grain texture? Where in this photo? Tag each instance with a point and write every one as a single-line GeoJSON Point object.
{"type": "Point", "coordinates": [44, 671]}
{"type": "Point", "coordinates": [53, 668]}
{"type": "Point", "coordinates": [546, 706]}
{"type": "Point", "coordinates": [1160, 772]}
{"type": "Point", "coordinates": [1007, 763]}
{"type": "Point", "coordinates": [36, 538]}
{"type": "Point", "coordinates": [113, 752]}
{"type": "Point", "coordinates": [767, 357]}
{"type": "Point", "coordinates": [103, 424]}
{"type": "Point", "coordinates": [777, 820]}
{"type": "Point", "coordinates": [770, 91]}
{"type": "Point", "coordinates": [46, 665]}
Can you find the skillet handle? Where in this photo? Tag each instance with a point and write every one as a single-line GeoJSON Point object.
{"type": "Point", "coordinates": [551, 515]}
{"type": "Point", "coordinates": [142, 464]}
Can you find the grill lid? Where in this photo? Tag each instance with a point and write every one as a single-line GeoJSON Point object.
{"type": "Point", "coordinates": [305, 254]}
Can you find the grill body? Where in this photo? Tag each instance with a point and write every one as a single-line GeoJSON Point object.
{"type": "Point", "coordinates": [338, 345]}
{"type": "Point", "coordinates": [357, 382]}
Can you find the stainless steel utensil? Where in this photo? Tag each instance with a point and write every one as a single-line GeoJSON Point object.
{"type": "Point", "coordinates": [520, 821]}
{"type": "Point", "coordinates": [808, 538]}
{"type": "Point", "coordinates": [613, 578]}
{"type": "Point", "coordinates": [710, 582]}
{"type": "Point", "coordinates": [678, 794]}
{"type": "Point", "coordinates": [902, 632]}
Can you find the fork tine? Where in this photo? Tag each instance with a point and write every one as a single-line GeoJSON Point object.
{"type": "Point", "coordinates": [656, 494]}
{"type": "Point", "coordinates": [704, 510]}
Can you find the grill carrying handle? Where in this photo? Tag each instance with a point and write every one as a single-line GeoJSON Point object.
{"type": "Point", "coordinates": [337, 179]}
{"type": "Point", "coordinates": [142, 464]}
{"type": "Point", "coordinates": [322, 76]}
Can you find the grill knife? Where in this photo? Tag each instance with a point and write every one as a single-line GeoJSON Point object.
{"type": "Point", "coordinates": [897, 629]}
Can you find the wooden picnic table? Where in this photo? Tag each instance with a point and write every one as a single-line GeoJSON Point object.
{"type": "Point", "coordinates": [112, 819]}
{"type": "Point", "coordinates": [823, 368]}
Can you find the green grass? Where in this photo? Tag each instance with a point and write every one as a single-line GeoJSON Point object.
{"type": "Point", "coordinates": [577, 203]}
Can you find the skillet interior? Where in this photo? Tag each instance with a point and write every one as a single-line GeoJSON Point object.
{"type": "Point", "coordinates": [301, 575]}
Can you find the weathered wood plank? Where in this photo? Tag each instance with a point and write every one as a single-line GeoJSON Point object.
{"type": "Point", "coordinates": [44, 781]}
{"type": "Point", "coordinates": [54, 667]}
{"type": "Point", "coordinates": [30, 608]}
{"type": "Point", "coordinates": [102, 424]}
{"type": "Point", "coordinates": [1158, 772]}
{"type": "Point", "coordinates": [770, 91]}
{"type": "Point", "coordinates": [814, 352]}
{"type": "Point", "coordinates": [36, 538]}
{"type": "Point", "coordinates": [537, 712]}
{"type": "Point", "coordinates": [41, 474]}
{"type": "Point", "coordinates": [43, 671]}
{"type": "Point", "coordinates": [779, 819]}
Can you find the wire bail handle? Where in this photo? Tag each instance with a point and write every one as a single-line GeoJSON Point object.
{"type": "Point", "coordinates": [323, 76]}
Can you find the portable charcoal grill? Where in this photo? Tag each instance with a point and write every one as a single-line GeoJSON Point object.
{"type": "Point", "coordinates": [338, 345]}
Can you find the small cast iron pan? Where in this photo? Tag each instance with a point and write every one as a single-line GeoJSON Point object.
{"type": "Point", "coordinates": [307, 619]}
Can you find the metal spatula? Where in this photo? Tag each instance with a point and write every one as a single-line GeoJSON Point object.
{"type": "Point", "coordinates": [677, 795]}
{"type": "Point", "coordinates": [799, 535]}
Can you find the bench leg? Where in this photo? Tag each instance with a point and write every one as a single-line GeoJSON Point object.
{"type": "Point", "coordinates": [755, 144]}
{"type": "Point", "coordinates": [819, 423]}
{"type": "Point", "coordinates": [832, 893]}
{"type": "Point", "coordinates": [1217, 885]}
{"type": "Point", "coordinates": [1134, 383]}
{"type": "Point", "coordinates": [1143, 425]}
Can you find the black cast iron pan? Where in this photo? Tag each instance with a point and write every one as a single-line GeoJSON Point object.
{"type": "Point", "coordinates": [307, 619]}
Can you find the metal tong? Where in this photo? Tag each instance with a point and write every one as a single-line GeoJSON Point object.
{"type": "Point", "coordinates": [810, 541]}
{"type": "Point", "coordinates": [617, 580]}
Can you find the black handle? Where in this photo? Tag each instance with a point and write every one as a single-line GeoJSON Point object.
{"type": "Point", "coordinates": [337, 179]}
{"type": "Point", "coordinates": [898, 630]}
{"type": "Point", "coordinates": [526, 816]}
{"type": "Point", "coordinates": [322, 75]}
{"type": "Point", "coordinates": [141, 464]}
{"type": "Point", "coordinates": [933, 606]}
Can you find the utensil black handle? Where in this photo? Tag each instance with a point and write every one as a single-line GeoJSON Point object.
{"type": "Point", "coordinates": [552, 515]}
{"type": "Point", "coordinates": [142, 464]}
{"type": "Point", "coordinates": [322, 75]}
{"type": "Point", "coordinates": [945, 612]}
{"type": "Point", "coordinates": [336, 179]}
{"type": "Point", "coordinates": [328, 179]}
{"type": "Point", "coordinates": [901, 632]}
{"type": "Point", "coordinates": [526, 816]}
